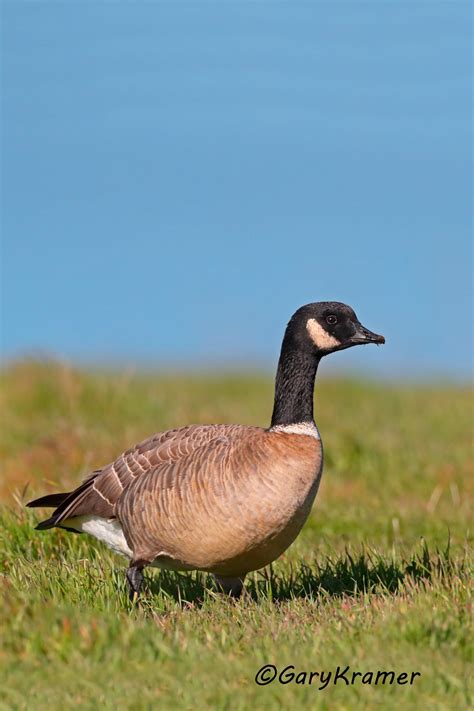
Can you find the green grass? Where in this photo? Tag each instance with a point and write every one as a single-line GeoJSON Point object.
{"type": "Point", "coordinates": [378, 579]}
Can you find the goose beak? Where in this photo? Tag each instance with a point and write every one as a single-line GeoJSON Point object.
{"type": "Point", "coordinates": [363, 335]}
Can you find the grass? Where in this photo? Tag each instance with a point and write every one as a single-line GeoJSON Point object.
{"type": "Point", "coordinates": [378, 579]}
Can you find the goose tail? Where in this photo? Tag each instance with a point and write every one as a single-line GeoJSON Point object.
{"type": "Point", "coordinates": [50, 500]}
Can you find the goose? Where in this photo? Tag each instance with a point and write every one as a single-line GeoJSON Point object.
{"type": "Point", "coordinates": [226, 499]}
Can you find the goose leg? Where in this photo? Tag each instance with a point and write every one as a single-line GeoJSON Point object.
{"type": "Point", "coordinates": [230, 586]}
{"type": "Point", "coordinates": [134, 580]}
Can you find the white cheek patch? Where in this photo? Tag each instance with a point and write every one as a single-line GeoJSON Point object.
{"type": "Point", "coordinates": [321, 338]}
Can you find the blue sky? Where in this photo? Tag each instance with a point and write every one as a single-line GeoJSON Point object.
{"type": "Point", "coordinates": [179, 177]}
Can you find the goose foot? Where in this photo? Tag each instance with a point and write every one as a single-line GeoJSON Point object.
{"type": "Point", "coordinates": [230, 586]}
{"type": "Point", "coordinates": [135, 581]}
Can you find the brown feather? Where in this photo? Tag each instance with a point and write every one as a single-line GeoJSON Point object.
{"type": "Point", "coordinates": [100, 491]}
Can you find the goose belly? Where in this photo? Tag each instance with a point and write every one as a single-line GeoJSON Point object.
{"type": "Point", "coordinates": [268, 533]}
{"type": "Point", "coordinates": [234, 539]}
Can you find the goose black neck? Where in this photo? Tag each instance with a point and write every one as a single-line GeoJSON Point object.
{"type": "Point", "coordinates": [294, 386]}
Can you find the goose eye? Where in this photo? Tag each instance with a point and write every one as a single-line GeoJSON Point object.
{"type": "Point", "coordinates": [331, 320]}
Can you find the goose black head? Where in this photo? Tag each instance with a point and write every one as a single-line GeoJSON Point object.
{"type": "Point", "coordinates": [328, 326]}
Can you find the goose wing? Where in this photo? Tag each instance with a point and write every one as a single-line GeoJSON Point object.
{"type": "Point", "coordinates": [100, 491]}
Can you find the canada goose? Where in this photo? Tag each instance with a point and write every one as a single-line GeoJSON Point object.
{"type": "Point", "coordinates": [227, 499]}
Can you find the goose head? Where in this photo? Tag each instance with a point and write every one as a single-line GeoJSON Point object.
{"type": "Point", "coordinates": [328, 326]}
